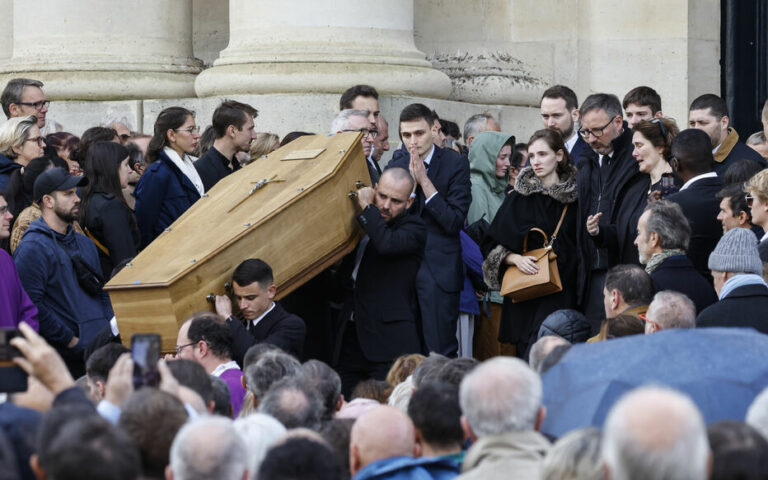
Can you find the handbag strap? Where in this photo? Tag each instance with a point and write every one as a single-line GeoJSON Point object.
{"type": "Point", "coordinates": [547, 242]}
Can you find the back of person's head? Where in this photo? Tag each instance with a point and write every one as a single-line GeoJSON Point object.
{"type": "Point", "coordinates": [693, 150]}
{"type": "Point", "coordinates": [542, 348]}
{"type": "Point", "coordinates": [607, 102]}
{"type": "Point", "coordinates": [291, 136]}
{"type": "Point", "coordinates": [717, 106]}
{"type": "Point", "coordinates": [644, 97]}
{"type": "Point", "coordinates": [293, 403]}
{"type": "Point", "coordinates": [62, 140]}
{"type": "Point", "coordinates": [401, 394]}
{"type": "Point", "coordinates": [208, 327]}
{"type": "Point", "coordinates": [667, 220]}
{"type": "Point", "coordinates": [101, 361]}
{"type": "Point", "coordinates": [554, 357]}
{"type": "Point", "coordinates": [372, 389]}
{"type": "Point", "coordinates": [208, 448]}
{"type": "Point", "coordinates": [336, 434]}
{"type": "Point", "coordinates": [259, 432]}
{"type": "Point", "coordinates": [670, 309]}
{"type": "Point", "coordinates": [632, 282]}
{"type": "Point", "coordinates": [170, 118]}
{"type": "Point", "coordinates": [231, 112]}
{"type": "Point", "coordinates": [417, 111]}
{"type": "Point", "coordinates": [436, 414]}
{"type": "Point", "coordinates": [428, 369]}
{"type": "Point", "coordinates": [193, 376]}
{"type": "Point", "coordinates": [253, 270]}
{"type": "Point", "coordinates": [205, 142]}
{"type": "Point", "coordinates": [736, 252]}
{"type": "Point", "coordinates": [383, 432]}
{"type": "Point", "coordinates": [403, 367]}
{"type": "Point", "coordinates": [89, 137]}
{"type": "Point", "coordinates": [757, 413]}
{"type": "Point", "coordinates": [501, 395]}
{"type": "Point", "coordinates": [221, 397]}
{"type": "Point", "coordinates": [326, 382]}
{"type": "Point", "coordinates": [741, 171]}
{"type": "Point", "coordinates": [475, 124]}
{"type": "Point", "coordinates": [738, 451]}
{"type": "Point", "coordinates": [655, 433]}
{"type": "Point", "coordinates": [255, 352]}
{"type": "Point", "coordinates": [569, 324]}
{"type": "Point", "coordinates": [268, 369]}
{"type": "Point", "coordinates": [621, 326]}
{"type": "Point", "coordinates": [9, 469]}
{"type": "Point", "coordinates": [455, 369]}
{"type": "Point", "coordinates": [349, 95]}
{"type": "Point", "coordinates": [450, 129]}
{"type": "Point", "coordinates": [300, 458]}
{"type": "Point", "coordinates": [152, 417]}
{"type": "Point", "coordinates": [55, 420]}
{"type": "Point", "coordinates": [575, 456]}
{"type": "Point", "coordinates": [263, 144]}
{"type": "Point", "coordinates": [91, 448]}
{"type": "Point", "coordinates": [563, 92]}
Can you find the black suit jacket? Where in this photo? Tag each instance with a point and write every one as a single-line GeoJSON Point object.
{"type": "Point", "coordinates": [580, 149]}
{"type": "Point", "coordinates": [701, 207]}
{"type": "Point", "coordinates": [213, 166]}
{"type": "Point", "coordinates": [444, 215]}
{"type": "Point", "coordinates": [740, 151]}
{"type": "Point", "coordinates": [383, 298]}
{"type": "Point", "coordinates": [279, 328]}
{"type": "Point", "coordinates": [677, 273]}
{"type": "Point", "coordinates": [745, 306]}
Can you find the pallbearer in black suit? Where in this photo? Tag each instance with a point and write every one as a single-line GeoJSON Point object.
{"type": "Point", "coordinates": [379, 321]}
{"type": "Point", "coordinates": [261, 319]}
{"type": "Point", "coordinates": [443, 195]}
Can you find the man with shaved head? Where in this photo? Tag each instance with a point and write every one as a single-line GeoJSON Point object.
{"type": "Point", "coordinates": [382, 445]}
{"type": "Point", "coordinates": [655, 433]}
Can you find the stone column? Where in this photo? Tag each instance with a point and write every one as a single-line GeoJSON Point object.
{"type": "Point", "coordinates": [99, 50]}
{"type": "Point", "coordinates": [321, 46]}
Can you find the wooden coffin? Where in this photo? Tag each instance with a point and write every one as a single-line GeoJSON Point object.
{"type": "Point", "coordinates": [300, 222]}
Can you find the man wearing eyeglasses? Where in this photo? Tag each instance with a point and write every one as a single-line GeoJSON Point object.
{"type": "Point", "coordinates": [351, 120]}
{"type": "Point", "coordinates": [611, 197]}
{"type": "Point", "coordinates": [23, 97]}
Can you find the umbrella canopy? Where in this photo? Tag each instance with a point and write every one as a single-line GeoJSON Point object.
{"type": "Point", "coordinates": [721, 369]}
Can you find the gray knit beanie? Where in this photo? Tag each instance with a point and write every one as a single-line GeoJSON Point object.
{"type": "Point", "coordinates": [736, 252]}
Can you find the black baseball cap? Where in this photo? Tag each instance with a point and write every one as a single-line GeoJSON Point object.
{"type": "Point", "coordinates": [56, 179]}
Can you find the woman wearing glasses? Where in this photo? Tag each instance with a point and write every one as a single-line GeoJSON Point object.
{"type": "Point", "coordinates": [170, 184]}
{"type": "Point", "coordinates": [20, 142]}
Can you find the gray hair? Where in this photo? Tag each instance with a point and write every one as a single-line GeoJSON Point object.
{"type": "Point", "coordinates": [259, 432]}
{"type": "Point", "coordinates": [757, 138]}
{"type": "Point", "coordinates": [475, 124]}
{"type": "Point", "coordinates": [575, 456]}
{"type": "Point", "coordinates": [293, 403]}
{"type": "Point", "coordinates": [13, 133]}
{"type": "Point", "coordinates": [342, 119]}
{"type": "Point", "coordinates": [607, 102]}
{"type": "Point", "coordinates": [757, 414]}
{"type": "Point", "coordinates": [13, 91]}
{"type": "Point", "coordinates": [208, 447]}
{"type": "Point", "coordinates": [326, 382]}
{"type": "Point", "coordinates": [271, 367]}
{"type": "Point", "coordinates": [655, 433]}
{"type": "Point", "coordinates": [542, 348]}
{"type": "Point", "coordinates": [672, 309]}
{"type": "Point", "coordinates": [668, 221]}
{"type": "Point", "coordinates": [111, 121]}
{"type": "Point", "coordinates": [501, 395]}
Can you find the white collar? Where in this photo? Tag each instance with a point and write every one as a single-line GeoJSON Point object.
{"type": "Point", "coordinates": [187, 168]}
{"type": "Point", "coordinates": [696, 179]}
{"type": "Point", "coordinates": [223, 367]}
{"type": "Point", "coordinates": [765, 237]}
{"type": "Point", "coordinates": [255, 321]}
{"type": "Point", "coordinates": [569, 144]}
{"type": "Point", "coordinates": [428, 158]}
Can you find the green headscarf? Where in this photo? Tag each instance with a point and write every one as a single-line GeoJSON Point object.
{"type": "Point", "coordinates": [487, 189]}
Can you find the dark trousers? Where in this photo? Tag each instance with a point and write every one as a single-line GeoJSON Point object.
{"type": "Point", "coordinates": [353, 367]}
{"type": "Point", "coordinates": [439, 314]}
{"type": "Point", "coordinates": [594, 308]}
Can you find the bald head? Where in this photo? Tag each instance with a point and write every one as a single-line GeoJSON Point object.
{"type": "Point", "coordinates": [384, 432]}
{"type": "Point", "coordinates": [655, 432]}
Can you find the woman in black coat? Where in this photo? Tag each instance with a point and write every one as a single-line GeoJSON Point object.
{"type": "Point", "coordinates": [104, 215]}
{"type": "Point", "coordinates": [542, 191]}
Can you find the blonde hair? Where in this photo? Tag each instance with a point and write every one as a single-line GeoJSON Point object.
{"type": "Point", "coordinates": [14, 133]}
{"type": "Point", "coordinates": [263, 144]}
{"type": "Point", "coordinates": [403, 367]}
{"type": "Point", "coordinates": [758, 185]}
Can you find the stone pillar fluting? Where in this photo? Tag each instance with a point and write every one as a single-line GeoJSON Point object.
{"type": "Point", "coordinates": [321, 46]}
{"type": "Point", "coordinates": [98, 50]}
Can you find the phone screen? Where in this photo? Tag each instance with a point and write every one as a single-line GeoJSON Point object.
{"type": "Point", "coordinates": [12, 378]}
{"type": "Point", "coordinates": [145, 350]}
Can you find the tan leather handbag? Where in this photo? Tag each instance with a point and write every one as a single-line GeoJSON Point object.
{"type": "Point", "coordinates": [520, 286]}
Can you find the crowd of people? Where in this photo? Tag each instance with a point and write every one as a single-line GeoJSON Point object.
{"type": "Point", "coordinates": [403, 360]}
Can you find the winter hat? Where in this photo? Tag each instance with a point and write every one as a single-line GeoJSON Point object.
{"type": "Point", "coordinates": [736, 252]}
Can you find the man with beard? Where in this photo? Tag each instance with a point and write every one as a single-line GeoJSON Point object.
{"type": "Point", "coordinates": [560, 112]}
{"type": "Point", "coordinates": [233, 127]}
{"type": "Point", "coordinates": [60, 270]}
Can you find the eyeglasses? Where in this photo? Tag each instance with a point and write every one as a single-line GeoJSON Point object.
{"type": "Point", "coordinates": [36, 105]}
{"type": "Point", "coordinates": [365, 132]}
{"type": "Point", "coordinates": [595, 132]}
{"type": "Point", "coordinates": [189, 130]}
{"type": "Point", "coordinates": [182, 347]}
{"type": "Point", "coordinates": [40, 141]}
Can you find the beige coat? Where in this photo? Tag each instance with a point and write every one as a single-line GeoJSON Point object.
{"type": "Point", "coordinates": [513, 455]}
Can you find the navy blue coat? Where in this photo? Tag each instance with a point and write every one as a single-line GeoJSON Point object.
{"type": "Point", "coordinates": [740, 151]}
{"type": "Point", "coordinates": [163, 194]}
{"type": "Point", "coordinates": [580, 149]}
{"type": "Point", "coordinates": [677, 273]}
{"type": "Point", "coordinates": [7, 167]}
{"type": "Point", "coordinates": [745, 306]}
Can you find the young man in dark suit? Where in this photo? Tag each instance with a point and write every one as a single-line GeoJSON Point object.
{"type": "Point", "coordinates": [261, 319]}
{"type": "Point", "coordinates": [379, 321]}
{"type": "Point", "coordinates": [560, 112]}
{"type": "Point", "coordinates": [442, 198]}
